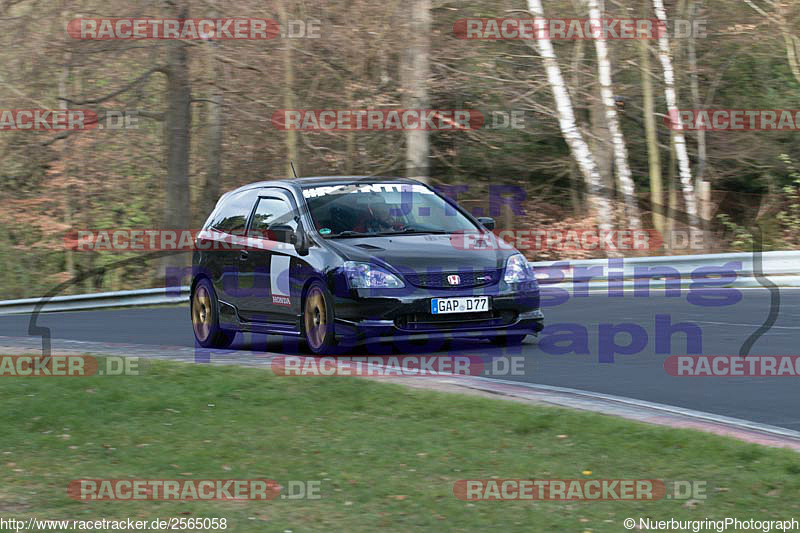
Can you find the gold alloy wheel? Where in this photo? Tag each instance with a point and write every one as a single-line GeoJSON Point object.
{"type": "Point", "coordinates": [201, 313]}
{"type": "Point", "coordinates": [316, 318]}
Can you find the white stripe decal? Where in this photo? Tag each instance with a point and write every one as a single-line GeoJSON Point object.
{"type": "Point", "coordinates": [279, 274]}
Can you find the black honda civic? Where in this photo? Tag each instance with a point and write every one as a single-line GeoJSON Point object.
{"type": "Point", "coordinates": [339, 261]}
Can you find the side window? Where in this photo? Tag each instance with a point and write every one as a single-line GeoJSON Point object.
{"type": "Point", "coordinates": [270, 213]}
{"type": "Point", "coordinates": [232, 216]}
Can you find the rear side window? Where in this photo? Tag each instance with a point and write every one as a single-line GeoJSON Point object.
{"type": "Point", "coordinates": [232, 215]}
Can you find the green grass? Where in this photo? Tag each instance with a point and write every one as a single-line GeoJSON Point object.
{"type": "Point", "coordinates": [386, 456]}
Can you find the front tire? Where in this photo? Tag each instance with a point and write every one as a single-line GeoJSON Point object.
{"type": "Point", "coordinates": [318, 319]}
{"type": "Point", "coordinates": [205, 317]}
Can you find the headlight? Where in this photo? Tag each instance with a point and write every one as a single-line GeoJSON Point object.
{"type": "Point", "coordinates": [518, 270]}
{"type": "Point", "coordinates": [369, 276]}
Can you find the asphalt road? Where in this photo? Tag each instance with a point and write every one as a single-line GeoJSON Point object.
{"type": "Point", "coordinates": [585, 321]}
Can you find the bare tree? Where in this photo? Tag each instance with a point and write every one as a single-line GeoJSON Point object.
{"type": "Point", "coordinates": [653, 155]}
{"type": "Point", "coordinates": [214, 146]}
{"type": "Point", "coordinates": [623, 169]}
{"type": "Point", "coordinates": [790, 41]}
{"type": "Point", "coordinates": [288, 94]}
{"type": "Point", "coordinates": [684, 169]}
{"type": "Point", "coordinates": [416, 73]}
{"type": "Point", "coordinates": [695, 86]}
{"type": "Point", "coordinates": [569, 128]}
{"type": "Point", "coordinates": [179, 126]}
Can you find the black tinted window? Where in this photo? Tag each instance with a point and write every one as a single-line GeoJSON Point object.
{"type": "Point", "coordinates": [232, 216]}
{"type": "Point", "coordinates": [367, 208]}
{"type": "Point", "coordinates": [271, 212]}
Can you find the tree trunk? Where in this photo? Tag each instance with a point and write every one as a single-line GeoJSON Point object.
{"type": "Point", "coordinates": [416, 75]}
{"type": "Point", "coordinates": [702, 186]}
{"type": "Point", "coordinates": [681, 153]}
{"type": "Point", "coordinates": [653, 155]}
{"type": "Point", "coordinates": [350, 157]}
{"type": "Point", "coordinates": [569, 129]}
{"type": "Point", "coordinates": [575, 180]}
{"type": "Point", "coordinates": [211, 186]}
{"type": "Point", "coordinates": [599, 141]}
{"type": "Point", "coordinates": [695, 86]}
{"type": "Point", "coordinates": [791, 42]}
{"type": "Point", "coordinates": [672, 193]}
{"type": "Point", "coordinates": [288, 95]}
{"type": "Point", "coordinates": [574, 190]}
{"type": "Point", "coordinates": [178, 127]}
{"type": "Point", "coordinates": [66, 200]}
{"type": "Point", "coordinates": [623, 169]}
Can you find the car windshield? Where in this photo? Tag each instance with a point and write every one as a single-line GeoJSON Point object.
{"type": "Point", "coordinates": [359, 209]}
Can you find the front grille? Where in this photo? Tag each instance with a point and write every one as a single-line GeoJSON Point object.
{"type": "Point", "coordinates": [455, 321]}
{"type": "Point", "coordinates": [439, 280]}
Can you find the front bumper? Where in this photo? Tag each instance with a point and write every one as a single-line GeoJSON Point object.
{"type": "Point", "coordinates": [366, 314]}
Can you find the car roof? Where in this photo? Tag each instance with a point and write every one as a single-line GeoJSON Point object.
{"type": "Point", "coordinates": [320, 181]}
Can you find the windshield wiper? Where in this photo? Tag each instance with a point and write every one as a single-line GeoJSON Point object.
{"type": "Point", "coordinates": [410, 231]}
{"type": "Point", "coordinates": [406, 231]}
{"type": "Point", "coordinates": [350, 233]}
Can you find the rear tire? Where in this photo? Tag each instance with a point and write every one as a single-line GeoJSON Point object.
{"type": "Point", "coordinates": [205, 317]}
{"type": "Point", "coordinates": [318, 319]}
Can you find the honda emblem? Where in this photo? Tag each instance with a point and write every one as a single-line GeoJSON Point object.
{"type": "Point", "coordinates": [454, 279]}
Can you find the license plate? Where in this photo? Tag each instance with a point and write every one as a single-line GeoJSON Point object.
{"type": "Point", "coordinates": [467, 304]}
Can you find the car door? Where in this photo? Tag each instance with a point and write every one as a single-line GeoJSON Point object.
{"type": "Point", "coordinates": [271, 255]}
{"type": "Point", "coordinates": [224, 246]}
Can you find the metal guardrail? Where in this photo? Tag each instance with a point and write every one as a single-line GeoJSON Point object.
{"type": "Point", "coordinates": [100, 300]}
{"type": "Point", "coordinates": [782, 268]}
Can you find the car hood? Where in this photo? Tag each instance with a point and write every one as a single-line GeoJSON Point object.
{"type": "Point", "coordinates": [420, 253]}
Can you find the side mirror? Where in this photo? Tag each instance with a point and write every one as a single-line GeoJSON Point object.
{"type": "Point", "coordinates": [300, 239]}
{"type": "Point", "coordinates": [282, 233]}
{"type": "Point", "coordinates": [487, 222]}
